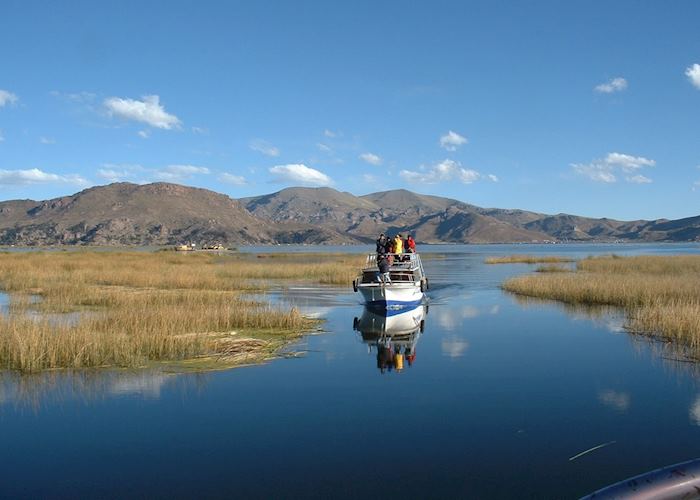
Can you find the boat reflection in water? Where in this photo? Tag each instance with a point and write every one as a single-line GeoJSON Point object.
{"type": "Point", "coordinates": [393, 333]}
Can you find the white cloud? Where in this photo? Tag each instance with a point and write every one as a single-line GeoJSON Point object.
{"type": "Point", "coordinates": [595, 172]}
{"type": "Point", "coordinates": [324, 148]}
{"type": "Point", "coordinates": [604, 170]}
{"type": "Point", "coordinates": [445, 171]}
{"type": "Point", "coordinates": [452, 140]}
{"type": "Point", "coordinates": [638, 179]}
{"type": "Point", "coordinates": [47, 140]}
{"type": "Point", "coordinates": [300, 173]}
{"type": "Point", "coordinates": [148, 111]}
{"type": "Point", "coordinates": [36, 176]}
{"type": "Point", "coordinates": [628, 163]}
{"type": "Point", "coordinates": [236, 180]}
{"type": "Point", "coordinates": [615, 85]}
{"type": "Point", "coordinates": [264, 147]}
{"type": "Point", "coordinates": [119, 172]}
{"type": "Point", "coordinates": [199, 131]}
{"type": "Point", "coordinates": [467, 176]}
{"type": "Point", "coordinates": [7, 97]}
{"type": "Point", "coordinates": [492, 178]}
{"type": "Point", "coordinates": [371, 158]}
{"type": "Point", "coordinates": [113, 174]}
{"type": "Point", "coordinates": [693, 74]}
{"type": "Point", "coordinates": [174, 173]}
{"type": "Point", "coordinates": [330, 133]}
{"type": "Point", "coordinates": [144, 134]}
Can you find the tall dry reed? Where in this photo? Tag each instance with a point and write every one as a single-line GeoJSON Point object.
{"type": "Point", "coordinates": [137, 307]}
{"type": "Point", "coordinates": [527, 259]}
{"type": "Point", "coordinates": [661, 294]}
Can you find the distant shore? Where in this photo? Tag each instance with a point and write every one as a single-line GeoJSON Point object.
{"type": "Point", "coordinates": [247, 248]}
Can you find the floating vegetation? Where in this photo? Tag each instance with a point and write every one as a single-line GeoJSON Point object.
{"type": "Point", "coordinates": [142, 308]}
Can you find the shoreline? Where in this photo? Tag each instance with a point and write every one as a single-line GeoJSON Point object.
{"type": "Point", "coordinates": [248, 248]}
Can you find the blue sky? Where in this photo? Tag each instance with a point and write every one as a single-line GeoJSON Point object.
{"type": "Point", "coordinates": [590, 108]}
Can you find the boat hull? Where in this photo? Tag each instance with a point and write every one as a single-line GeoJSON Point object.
{"type": "Point", "coordinates": [391, 294]}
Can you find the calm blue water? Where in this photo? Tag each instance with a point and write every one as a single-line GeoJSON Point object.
{"type": "Point", "coordinates": [499, 395]}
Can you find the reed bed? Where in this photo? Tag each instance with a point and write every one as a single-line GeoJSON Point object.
{"type": "Point", "coordinates": [137, 307]}
{"type": "Point", "coordinates": [553, 268]}
{"type": "Point", "coordinates": [660, 294]}
{"type": "Point", "coordinates": [527, 259]}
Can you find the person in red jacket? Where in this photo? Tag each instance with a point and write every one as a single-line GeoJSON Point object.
{"type": "Point", "coordinates": [410, 244]}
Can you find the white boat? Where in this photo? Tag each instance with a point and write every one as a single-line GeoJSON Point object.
{"type": "Point", "coordinates": [406, 287]}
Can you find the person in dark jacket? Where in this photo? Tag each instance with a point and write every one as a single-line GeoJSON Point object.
{"type": "Point", "coordinates": [384, 265]}
{"type": "Point", "coordinates": [381, 244]}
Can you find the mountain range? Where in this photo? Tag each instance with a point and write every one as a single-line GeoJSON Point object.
{"type": "Point", "coordinates": [166, 214]}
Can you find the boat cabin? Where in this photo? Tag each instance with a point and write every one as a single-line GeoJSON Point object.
{"type": "Point", "coordinates": [406, 267]}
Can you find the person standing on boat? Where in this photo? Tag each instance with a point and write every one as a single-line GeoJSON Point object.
{"type": "Point", "coordinates": [384, 266]}
{"type": "Point", "coordinates": [390, 249]}
{"type": "Point", "coordinates": [407, 249]}
{"type": "Point", "coordinates": [398, 244]}
{"type": "Point", "coordinates": [411, 244]}
{"type": "Point", "coordinates": [381, 244]}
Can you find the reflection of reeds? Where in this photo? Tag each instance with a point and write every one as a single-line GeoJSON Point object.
{"type": "Point", "coordinates": [526, 259]}
{"type": "Point", "coordinates": [34, 390]}
{"type": "Point", "coordinates": [145, 306]}
{"type": "Point", "coordinates": [661, 295]}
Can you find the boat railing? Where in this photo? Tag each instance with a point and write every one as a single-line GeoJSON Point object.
{"type": "Point", "coordinates": [400, 261]}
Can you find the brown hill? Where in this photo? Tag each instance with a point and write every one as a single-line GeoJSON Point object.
{"type": "Point", "coordinates": [434, 219]}
{"type": "Point", "coordinates": [162, 213]}
{"type": "Point", "coordinates": [431, 218]}
{"type": "Point", "coordinates": [131, 214]}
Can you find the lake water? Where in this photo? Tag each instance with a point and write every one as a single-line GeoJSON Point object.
{"type": "Point", "coordinates": [495, 396]}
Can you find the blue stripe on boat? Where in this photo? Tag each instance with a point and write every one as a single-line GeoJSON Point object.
{"type": "Point", "coordinates": [394, 306]}
{"type": "Point", "coordinates": [395, 311]}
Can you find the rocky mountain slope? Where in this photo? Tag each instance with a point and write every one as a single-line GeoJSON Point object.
{"type": "Point", "coordinates": [431, 218]}
{"type": "Point", "coordinates": [162, 213]}
{"type": "Point", "coordinates": [434, 219]}
{"type": "Point", "coordinates": [130, 214]}
{"type": "Point", "coordinates": [151, 214]}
